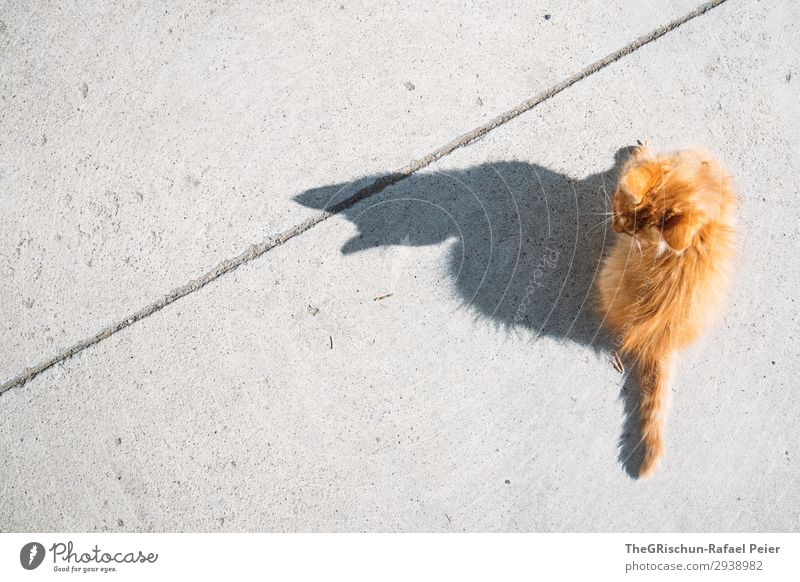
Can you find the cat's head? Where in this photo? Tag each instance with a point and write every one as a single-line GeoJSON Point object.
{"type": "Point", "coordinates": [666, 200]}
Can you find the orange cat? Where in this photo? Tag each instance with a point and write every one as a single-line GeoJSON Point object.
{"type": "Point", "coordinates": [668, 274]}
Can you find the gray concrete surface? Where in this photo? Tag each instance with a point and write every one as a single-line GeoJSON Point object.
{"type": "Point", "coordinates": [284, 396]}
{"type": "Point", "coordinates": [140, 145]}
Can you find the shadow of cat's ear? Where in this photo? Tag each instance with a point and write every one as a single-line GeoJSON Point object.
{"type": "Point", "coordinates": [320, 198]}
{"type": "Point", "coordinates": [326, 197]}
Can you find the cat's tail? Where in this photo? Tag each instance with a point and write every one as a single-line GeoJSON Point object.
{"type": "Point", "coordinates": [654, 378]}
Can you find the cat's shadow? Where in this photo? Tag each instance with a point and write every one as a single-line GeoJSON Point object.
{"type": "Point", "coordinates": [528, 243]}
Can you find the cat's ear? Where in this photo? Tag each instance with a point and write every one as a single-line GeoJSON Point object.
{"type": "Point", "coordinates": [678, 231]}
{"type": "Point", "coordinates": [639, 180]}
{"type": "Point", "coordinates": [641, 150]}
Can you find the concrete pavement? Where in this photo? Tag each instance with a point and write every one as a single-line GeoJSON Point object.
{"type": "Point", "coordinates": [143, 145]}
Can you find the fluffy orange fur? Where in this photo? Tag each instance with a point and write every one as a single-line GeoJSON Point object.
{"type": "Point", "coordinates": [668, 274]}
